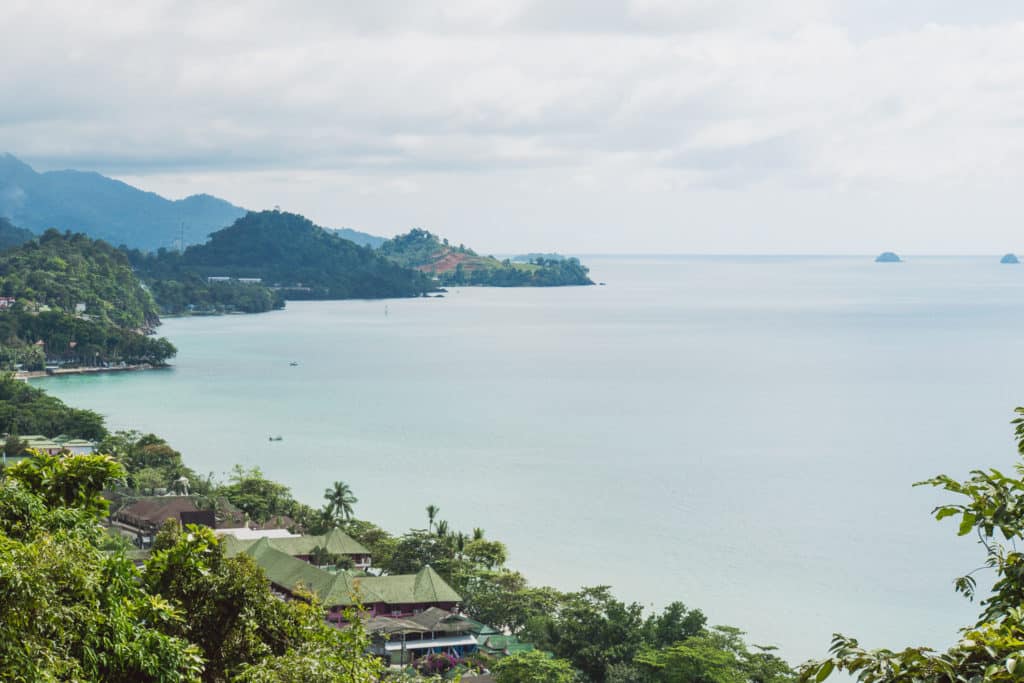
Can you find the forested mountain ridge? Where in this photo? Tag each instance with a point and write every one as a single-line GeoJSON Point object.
{"type": "Point", "coordinates": [118, 213]}
{"type": "Point", "coordinates": [460, 265]}
{"type": "Point", "coordinates": [105, 208]}
{"type": "Point", "coordinates": [288, 252]}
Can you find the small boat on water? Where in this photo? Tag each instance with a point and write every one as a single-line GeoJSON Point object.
{"type": "Point", "coordinates": [294, 363]}
{"type": "Point", "coordinates": [276, 438]}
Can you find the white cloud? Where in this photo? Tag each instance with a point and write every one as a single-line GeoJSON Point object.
{"type": "Point", "coordinates": [639, 99]}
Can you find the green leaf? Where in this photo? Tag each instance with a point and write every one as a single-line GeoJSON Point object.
{"type": "Point", "coordinates": [825, 671]}
{"type": "Point", "coordinates": [967, 523]}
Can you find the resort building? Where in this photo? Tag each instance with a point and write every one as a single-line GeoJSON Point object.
{"type": "Point", "coordinates": [402, 595]}
{"type": "Point", "coordinates": [335, 542]}
{"type": "Point", "coordinates": [142, 518]}
{"type": "Point", "coordinates": [54, 446]}
{"type": "Point", "coordinates": [432, 631]}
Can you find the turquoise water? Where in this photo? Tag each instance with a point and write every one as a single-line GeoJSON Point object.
{"type": "Point", "coordinates": [737, 433]}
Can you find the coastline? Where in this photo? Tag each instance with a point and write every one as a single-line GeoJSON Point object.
{"type": "Point", "coordinates": [37, 374]}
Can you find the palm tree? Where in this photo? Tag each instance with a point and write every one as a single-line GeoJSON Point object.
{"type": "Point", "coordinates": [432, 511]}
{"type": "Point", "coordinates": [339, 500]}
{"type": "Point", "coordinates": [478, 534]}
{"type": "Point", "coordinates": [442, 528]}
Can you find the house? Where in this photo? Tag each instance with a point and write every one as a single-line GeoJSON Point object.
{"type": "Point", "coordinates": [218, 278]}
{"type": "Point", "coordinates": [6, 302]}
{"type": "Point", "coordinates": [402, 595]}
{"type": "Point", "coordinates": [58, 444]}
{"type": "Point", "coordinates": [334, 542]}
{"type": "Point", "coordinates": [250, 280]}
{"type": "Point", "coordinates": [432, 631]}
{"type": "Point", "coordinates": [143, 517]}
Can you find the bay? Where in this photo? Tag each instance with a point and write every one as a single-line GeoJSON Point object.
{"type": "Point", "coordinates": [739, 433]}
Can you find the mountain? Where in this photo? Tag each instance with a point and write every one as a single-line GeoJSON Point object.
{"type": "Point", "coordinates": [361, 238]}
{"type": "Point", "coordinates": [459, 265]}
{"type": "Point", "coordinates": [288, 252]}
{"type": "Point", "coordinates": [105, 208]}
{"type": "Point", "coordinates": [12, 236]}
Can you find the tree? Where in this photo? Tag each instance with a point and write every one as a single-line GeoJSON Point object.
{"type": "Point", "coordinates": [716, 655]}
{"type": "Point", "coordinates": [505, 600]}
{"type": "Point", "coordinates": [700, 659]}
{"type": "Point", "coordinates": [339, 500]}
{"type": "Point", "coordinates": [415, 550]}
{"type": "Point", "coordinates": [149, 479]}
{"type": "Point", "coordinates": [592, 630]}
{"type": "Point", "coordinates": [992, 506]}
{"type": "Point", "coordinates": [675, 624]}
{"type": "Point", "coordinates": [432, 511]}
{"type": "Point", "coordinates": [69, 610]}
{"type": "Point", "coordinates": [487, 554]}
{"type": "Point", "coordinates": [258, 496]}
{"type": "Point", "coordinates": [13, 446]}
{"type": "Point", "coordinates": [71, 481]}
{"type": "Point", "coordinates": [533, 667]}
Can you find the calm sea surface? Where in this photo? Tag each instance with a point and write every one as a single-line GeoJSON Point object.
{"type": "Point", "coordinates": [740, 434]}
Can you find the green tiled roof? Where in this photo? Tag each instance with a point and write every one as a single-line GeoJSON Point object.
{"type": "Point", "coordinates": [403, 589]}
{"type": "Point", "coordinates": [335, 541]}
{"type": "Point", "coordinates": [340, 589]}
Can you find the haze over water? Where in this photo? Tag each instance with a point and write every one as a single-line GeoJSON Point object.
{"type": "Point", "coordinates": [739, 433]}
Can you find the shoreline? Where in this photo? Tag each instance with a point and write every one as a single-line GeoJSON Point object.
{"type": "Point", "coordinates": [39, 374]}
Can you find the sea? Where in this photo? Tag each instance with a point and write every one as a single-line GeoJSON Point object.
{"type": "Point", "coordinates": [741, 434]}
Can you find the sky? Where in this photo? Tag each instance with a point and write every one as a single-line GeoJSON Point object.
{"type": "Point", "coordinates": [581, 126]}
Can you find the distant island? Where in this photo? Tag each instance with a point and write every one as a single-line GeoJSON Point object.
{"type": "Point", "coordinates": [452, 265]}
{"type": "Point", "coordinates": [1009, 258]}
{"type": "Point", "coordinates": [119, 214]}
{"type": "Point", "coordinates": [888, 257]}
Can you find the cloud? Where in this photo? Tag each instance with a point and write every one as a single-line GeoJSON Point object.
{"type": "Point", "coordinates": [695, 93]}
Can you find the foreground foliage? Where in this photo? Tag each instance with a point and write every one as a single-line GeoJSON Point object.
{"type": "Point", "coordinates": [71, 611]}
{"type": "Point", "coordinates": [993, 648]}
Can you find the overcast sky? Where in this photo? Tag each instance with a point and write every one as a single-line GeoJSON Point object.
{"type": "Point", "coordinates": [686, 126]}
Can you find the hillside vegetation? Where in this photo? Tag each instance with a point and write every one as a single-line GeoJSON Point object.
{"type": "Point", "coordinates": [291, 254]}
{"type": "Point", "coordinates": [50, 279]}
{"type": "Point", "coordinates": [459, 265]}
{"type": "Point", "coordinates": [61, 270]}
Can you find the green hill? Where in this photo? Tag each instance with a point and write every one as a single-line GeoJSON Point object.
{"type": "Point", "coordinates": [76, 301]}
{"type": "Point", "coordinates": [459, 265]}
{"type": "Point", "coordinates": [62, 270]}
{"type": "Point", "coordinates": [290, 254]}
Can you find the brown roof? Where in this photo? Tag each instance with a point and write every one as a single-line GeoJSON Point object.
{"type": "Point", "coordinates": [153, 511]}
